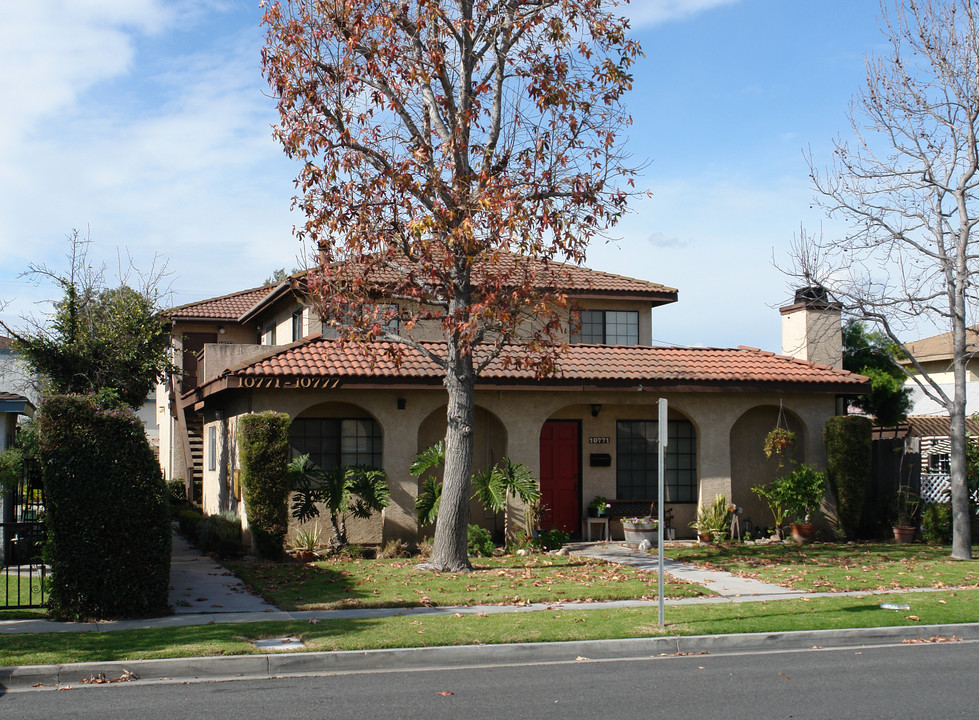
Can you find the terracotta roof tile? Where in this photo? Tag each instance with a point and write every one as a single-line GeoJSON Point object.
{"type": "Point", "coordinates": [577, 364]}
{"type": "Point", "coordinates": [227, 307]}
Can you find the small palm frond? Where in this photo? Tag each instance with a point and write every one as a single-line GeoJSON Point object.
{"type": "Point", "coordinates": [429, 499]}
{"type": "Point", "coordinates": [369, 486]}
{"type": "Point", "coordinates": [428, 459]}
{"type": "Point", "coordinates": [489, 489]}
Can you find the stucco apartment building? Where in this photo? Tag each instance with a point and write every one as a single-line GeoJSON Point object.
{"type": "Point", "coordinates": [587, 430]}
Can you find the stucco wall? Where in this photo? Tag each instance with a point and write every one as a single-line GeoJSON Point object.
{"type": "Point", "coordinates": [727, 450]}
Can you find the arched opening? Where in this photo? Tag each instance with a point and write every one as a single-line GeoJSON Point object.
{"type": "Point", "coordinates": [337, 434]}
{"type": "Point", "coordinates": [749, 465]}
{"type": "Point", "coordinates": [489, 446]}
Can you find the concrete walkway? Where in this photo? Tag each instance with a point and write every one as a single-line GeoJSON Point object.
{"type": "Point", "coordinates": [199, 585]}
{"type": "Point", "coordinates": [724, 584]}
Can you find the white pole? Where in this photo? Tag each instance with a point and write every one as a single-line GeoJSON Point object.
{"type": "Point", "coordinates": [660, 497]}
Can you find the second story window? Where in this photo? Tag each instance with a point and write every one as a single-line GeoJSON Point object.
{"type": "Point", "coordinates": [608, 327]}
{"type": "Point", "coordinates": [297, 325]}
{"type": "Point", "coordinates": [268, 335]}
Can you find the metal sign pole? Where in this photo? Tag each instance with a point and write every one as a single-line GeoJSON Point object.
{"type": "Point", "coordinates": [660, 497]}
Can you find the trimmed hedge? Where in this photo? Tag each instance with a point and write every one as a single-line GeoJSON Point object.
{"type": "Point", "coordinates": [263, 441]}
{"type": "Point", "coordinates": [108, 519]}
{"type": "Point", "coordinates": [848, 461]}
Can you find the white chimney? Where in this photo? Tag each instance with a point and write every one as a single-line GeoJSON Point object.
{"type": "Point", "coordinates": [811, 327]}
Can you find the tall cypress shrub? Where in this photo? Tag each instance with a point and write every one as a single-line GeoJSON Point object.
{"type": "Point", "coordinates": [263, 441]}
{"type": "Point", "coordinates": [848, 460]}
{"type": "Point", "coordinates": [108, 523]}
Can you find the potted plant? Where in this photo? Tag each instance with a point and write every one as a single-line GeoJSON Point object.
{"type": "Point", "coordinates": [802, 492]}
{"type": "Point", "coordinates": [306, 544]}
{"type": "Point", "coordinates": [637, 529]}
{"type": "Point", "coordinates": [713, 521]}
{"type": "Point", "coordinates": [777, 441]}
{"type": "Point", "coordinates": [599, 507]}
{"type": "Point", "coordinates": [908, 503]}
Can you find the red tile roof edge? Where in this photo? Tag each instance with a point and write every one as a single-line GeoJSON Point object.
{"type": "Point", "coordinates": [181, 310]}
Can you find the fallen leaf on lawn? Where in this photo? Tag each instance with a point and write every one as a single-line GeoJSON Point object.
{"type": "Point", "coordinates": [446, 693]}
{"type": "Point", "coordinates": [313, 621]}
{"type": "Point", "coordinates": [480, 614]}
{"type": "Point", "coordinates": [943, 602]}
{"type": "Point", "coordinates": [912, 617]}
{"type": "Point", "coordinates": [457, 615]}
{"type": "Point", "coordinates": [580, 658]}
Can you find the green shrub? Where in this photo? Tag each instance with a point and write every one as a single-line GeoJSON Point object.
{"type": "Point", "coordinates": [220, 535]}
{"type": "Point", "coordinates": [479, 541]}
{"type": "Point", "coordinates": [936, 524]}
{"type": "Point", "coordinates": [263, 439]}
{"type": "Point", "coordinates": [176, 492]}
{"type": "Point", "coordinates": [187, 520]}
{"type": "Point", "coordinates": [552, 539]}
{"type": "Point", "coordinates": [848, 457]}
{"type": "Point", "coordinates": [107, 518]}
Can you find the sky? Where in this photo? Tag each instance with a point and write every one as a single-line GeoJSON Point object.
{"type": "Point", "coordinates": [146, 125]}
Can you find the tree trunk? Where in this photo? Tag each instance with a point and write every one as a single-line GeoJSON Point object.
{"type": "Point", "coordinates": [450, 549]}
{"type": "Point", "coordinates": [961, 529]}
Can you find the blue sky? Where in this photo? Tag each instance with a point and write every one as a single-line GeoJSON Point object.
{"type": "Point", "coordinates": [147, 122]}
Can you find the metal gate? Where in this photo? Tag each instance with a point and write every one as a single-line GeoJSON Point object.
{"type": "Point", "coordinates": [22, 572]}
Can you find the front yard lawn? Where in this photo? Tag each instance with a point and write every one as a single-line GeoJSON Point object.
{"type": "Point", "coordinates": [553, 625]}
{"type": "Point", "coordinates": [836, 567]}
{"type": "Point", "coordinates": [336, 583]}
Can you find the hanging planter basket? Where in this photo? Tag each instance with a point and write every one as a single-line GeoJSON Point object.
{"type": "Point", "coordinates": [779, 438]}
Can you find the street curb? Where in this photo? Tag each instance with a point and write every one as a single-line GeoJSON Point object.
{"type": "Point", "coordinates": [462, 656]}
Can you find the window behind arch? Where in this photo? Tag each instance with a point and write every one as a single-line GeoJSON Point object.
{"type": "Point", "coordinates": [636, 461]}
{"type": "Point", "coordinates": [337, 441]}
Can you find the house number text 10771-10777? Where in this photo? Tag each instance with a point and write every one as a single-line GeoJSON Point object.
{"type": "Point", "coordinates": [598, 441]}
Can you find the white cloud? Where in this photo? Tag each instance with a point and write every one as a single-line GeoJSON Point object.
{"type": "Point", "coordinates": [654, 12]}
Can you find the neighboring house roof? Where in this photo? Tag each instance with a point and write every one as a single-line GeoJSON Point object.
{"type": "Point", "coordinates": [11, 403]}
{"type": "Point", "coordinates": [925, 426]}
{"type": "Point", "coordinates": [227, 307]}
{"type": "Point", "coordinates": [316, 357]}
{"type": "Point", "coordinates": [939, 347]}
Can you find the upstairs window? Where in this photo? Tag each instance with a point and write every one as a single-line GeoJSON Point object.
{"type": "Point", "coordinates": [267, 336]}
{"type": "Point", "coordinates": [297, 325]}
{"type": "Point", "coordinates": [608, 327]}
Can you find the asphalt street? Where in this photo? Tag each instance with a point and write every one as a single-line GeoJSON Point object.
{"type": "Point", "coordinates": [934, 681]}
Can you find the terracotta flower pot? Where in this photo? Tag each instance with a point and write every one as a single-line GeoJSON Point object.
{"type": "Point", "coordinates": [903, 534]}
{"type": "Point", "coordinates": [803, 533]}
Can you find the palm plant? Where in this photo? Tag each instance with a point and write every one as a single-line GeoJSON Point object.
{"type": "Point", "coordinates": [355, 489]}
{"type": "Point", "coordinates": [492, 486]}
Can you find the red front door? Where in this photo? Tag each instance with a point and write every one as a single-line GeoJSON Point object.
{"type": "Point", "coordinates": [560, 470]}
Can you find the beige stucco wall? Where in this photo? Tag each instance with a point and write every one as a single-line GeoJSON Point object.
{"type": "Point", "coordinates": [727, 427]}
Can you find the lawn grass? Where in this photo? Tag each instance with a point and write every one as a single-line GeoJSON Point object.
{"type": "Point", "coordinates": [837, 567]}
{"type": "Point", "coordinates": [551, 625]}
{"type": "Point", "coordinates": [336, 583]}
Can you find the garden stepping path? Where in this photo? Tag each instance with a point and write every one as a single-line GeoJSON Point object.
{"type": "Point", "coordinates": [723, 583]}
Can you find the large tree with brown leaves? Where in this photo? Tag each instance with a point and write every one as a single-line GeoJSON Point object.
{"type": "Point", "coordinates": [451, 150]}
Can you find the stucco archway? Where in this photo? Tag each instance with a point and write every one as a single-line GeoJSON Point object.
{"type": "Point", "coordinates": [489, 446]}
{"type": "Point", "coordinates": [749, 465]}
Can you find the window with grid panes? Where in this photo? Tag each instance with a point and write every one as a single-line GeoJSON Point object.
{"type": "Point", "coordinates": [608, 327]}
{"type": "Point", "coordinates": [636, 461]}
{"type": "Point", "coordinates": [337, 441]}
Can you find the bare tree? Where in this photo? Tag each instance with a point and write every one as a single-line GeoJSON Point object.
{"type": "Point", "coordinates": [907, 184]}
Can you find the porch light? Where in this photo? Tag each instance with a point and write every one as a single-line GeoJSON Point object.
{"type": "Point", "coordinates": [595, 409]}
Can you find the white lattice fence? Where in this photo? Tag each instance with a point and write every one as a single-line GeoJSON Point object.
{"type": "Point", "coordinates": [935, 487]}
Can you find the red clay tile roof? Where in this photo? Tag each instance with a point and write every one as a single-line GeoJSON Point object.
{"type": "Point", "coordinates": [578, 364]}
{"type": "Point", "coordinates": [227, 307]}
